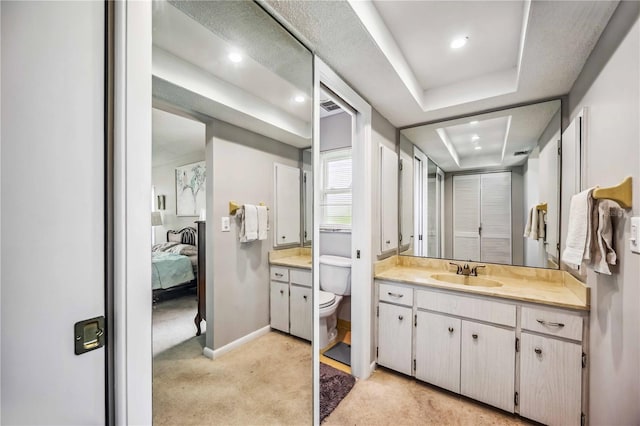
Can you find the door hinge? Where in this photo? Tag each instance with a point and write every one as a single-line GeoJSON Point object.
{"type": "Point", "coordinates": [584, 360]}
{"type": "Point", "coordinates": [517, 344]}
{"type": "Point", "coordinates": [516, 398]}
{"type": "Point", "coordinates": [304, 178]}
{"type": "Point", "coordinates": [419, 237]}
{"type": "Point", "coordinates": [583, 419]}
{"type": "Point", "coordinates": [414, 364]}
{"type": "Point", "coordinates": [400, 237]}
{"type": "Point", "coordinates": [357, 254]}
{"type": "Point", "coordinates": [415, 320]}
{"type": "Point", "coordinates": [377, 350]}
{"type": "Point", "coordinates": [400, 164]}
{"type": "Point", "coordinates": [305, 235]}
{"type": "Point", "coordinates": [377, 311]}
{"type": "Point", "coordinates": [558, 246]}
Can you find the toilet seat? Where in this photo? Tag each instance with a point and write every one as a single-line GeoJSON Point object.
{"type": "Point", "coordinates": [326, 299]}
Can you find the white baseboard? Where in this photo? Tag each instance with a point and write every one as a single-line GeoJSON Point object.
{"type": "Point", "coordinates": [213, 354]}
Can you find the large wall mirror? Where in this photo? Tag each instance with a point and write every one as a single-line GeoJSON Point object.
{"type": "Point", "coordinates": [483, 188]}
{"type": "Point", "coordinates": [247, 84]}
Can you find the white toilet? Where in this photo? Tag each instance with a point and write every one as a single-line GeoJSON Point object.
{"type": "Point", "coordinates": [335, 282]}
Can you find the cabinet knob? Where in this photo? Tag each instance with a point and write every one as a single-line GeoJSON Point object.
{"type": "Point", "coordinates": [283, 237]}
{"type": "Point", "coordinates": [475, 336]}
{"type": "Point", "coordinates": [305, 297]}
{"type": "Point", "coordinates": [281, 291]}
{"type": "Point", "coordinates": [450, 329]}
{"type": "Point", "coordinates": [538, 351]}
{"type": "Point", "coordinates": [388, 241]}
{"type": "Point", "coordinates": [400, 317]}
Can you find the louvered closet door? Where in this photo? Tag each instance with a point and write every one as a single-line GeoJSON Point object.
{"type": "Point", "coordinates": [495, 217]}
{"type": "Point", "coordinates": [466, 217]}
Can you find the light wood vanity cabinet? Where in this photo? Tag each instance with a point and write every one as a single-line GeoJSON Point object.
{"type": "Point", "coordinates": [515, 356]}
{"type": "Point", "coordinates": [291, 301]}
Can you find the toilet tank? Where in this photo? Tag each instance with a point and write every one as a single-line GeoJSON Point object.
{"type": "Point", "coordinates": [335, 274]}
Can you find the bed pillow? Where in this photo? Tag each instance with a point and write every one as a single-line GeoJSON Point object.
{"type": "Point", "coordinates": [174, 238]}
{"type": "Point", "coordinates": [183, 249]}
{"type": "Point", "coordinates": [163, 246]}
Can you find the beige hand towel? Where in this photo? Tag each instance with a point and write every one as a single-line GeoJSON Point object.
{"type": "Point", "coordinates": [579, 230]}
{"type": "Point", "coordinates": [602, 246]}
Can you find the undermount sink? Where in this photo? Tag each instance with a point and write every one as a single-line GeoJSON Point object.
{"type": "Point", "coordinates": [466, 280]}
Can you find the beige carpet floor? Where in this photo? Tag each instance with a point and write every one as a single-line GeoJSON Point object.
{"type": "Point", "coordinates": [387, 398]}
{"type": "Point", "coordinates": [264, 382]}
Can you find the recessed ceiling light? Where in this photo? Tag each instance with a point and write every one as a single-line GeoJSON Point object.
{"type": "Point", "coordinates": [458, 42]}
{"type": "Point", "coordinates": [299, 99]}
{"type": "Point", "coordinates": [235, 57]}
{"type": "Point", "coordinates": [477, 147]}
{"type": "Point", "coordinates": [474, 122]}
{"type": "Point", "coordinates": [475, 137]}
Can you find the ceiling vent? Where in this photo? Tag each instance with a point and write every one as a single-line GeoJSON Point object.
{"type": "Point", "coordinates": [329, 105]}
{"type": "Point", "coordinates": [517, 153]}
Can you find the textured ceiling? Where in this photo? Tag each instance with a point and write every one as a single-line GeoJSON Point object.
{"type": "Point", "coordinates": [559, 38]}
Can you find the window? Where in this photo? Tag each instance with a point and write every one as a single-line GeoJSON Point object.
{"type": "Point", "coordinates": [336, 189]}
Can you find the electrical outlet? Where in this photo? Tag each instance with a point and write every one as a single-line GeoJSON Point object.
{"type": "Point", "coordinates": [634, 241]}
{"type": "Point", "coordinates": [225, 226]}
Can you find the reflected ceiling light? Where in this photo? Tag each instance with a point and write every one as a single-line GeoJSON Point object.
{"type": "Point", "coordinates": [475, 138]}
{"type": "Point", "coordinates": [474, 122]}
{"type": "Point", "coordinates": [458, 42]}
{"type": "Point", "coordinates": [299, 99]}
{"type": "Point", "coordinates": [235, 57]}
{"type": "Point", "coordinates": [477, 147]}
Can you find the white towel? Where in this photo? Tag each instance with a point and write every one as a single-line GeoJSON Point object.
{"type": "Point", "coordinates": [579, 230]}
{"type": "Point", "coordinates": [527, 228]}
{"type": "Point", "coordinates": [263, 222]}
{"type": "Point", "coordinates": [535, 219]}
{"type": "Point", "coordinates": [602, 246]}
{"type": "Point", "coordinates": [248, 224]}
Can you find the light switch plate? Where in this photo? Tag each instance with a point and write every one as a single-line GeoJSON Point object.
{"type": "Point", "coordinates": [634, 241]}
{"type": "Point", "coordinates": [225, 226]}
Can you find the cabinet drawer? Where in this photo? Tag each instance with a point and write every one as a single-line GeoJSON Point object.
{"type": "Point", "coordinates": [483, 310]}
{"type": "Point", "coordinates": [552, 322]}
{"type": "Point", "coordinates": [300, 277]}
{"type": "Point", "coordinates": [280, 274]}
{"type": "Point", "coordinates": [396, 294]}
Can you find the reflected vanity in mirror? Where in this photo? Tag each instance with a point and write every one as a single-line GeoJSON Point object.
{"type": "Point", "coordinates": [483, 188]}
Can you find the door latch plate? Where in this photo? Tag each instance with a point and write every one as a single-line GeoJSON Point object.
{"type": "Point", "coordinates": [89, 335]}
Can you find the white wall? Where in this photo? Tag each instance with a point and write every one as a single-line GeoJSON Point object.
{"type": "Point", "coordinates": [238, 274]}
{"type": "Point", "coordinates": [163, 177]}
{"type": "Point", "coordinates": [609, 86]}
{"type": "Point", "coordinates": [532, 249]}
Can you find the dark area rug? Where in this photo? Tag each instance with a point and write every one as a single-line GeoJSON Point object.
{"type": "Point", "coordinates": [334, 386]}
{"type": "Point", "coordinates": [340, 352]}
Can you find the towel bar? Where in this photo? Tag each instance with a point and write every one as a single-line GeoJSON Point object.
{"type": "Point", "coordinates": [233, 207]}
{"type": "Point", "coordinates": [620, 193]}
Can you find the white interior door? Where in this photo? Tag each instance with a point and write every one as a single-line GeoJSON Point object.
{"type": "Point", "coordinates": [52, 190]}
{"type": "Point", "coordinates": [495, 217]}
{"type": "Point", "coordinates": [466, 217]}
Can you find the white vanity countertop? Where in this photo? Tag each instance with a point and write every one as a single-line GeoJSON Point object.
{"type": "Point", "coordinates": [555, 288]}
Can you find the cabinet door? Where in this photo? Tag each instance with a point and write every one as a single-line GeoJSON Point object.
{"type": "Point", "coordinates": [550, 380]}
{"type": "Point", "coordinates": [300, 312]}
{"type": "Point", "coordinates": [388, 199]}
{"type": "Point", "coordinates": [287, 208]}
{"type": "Point", "coordinates": [438, 350]}
{"type": "Point", "coordinates": [394, 337]}
{"type": "Point", "coordinates": [487, 370]}
{"type": "Point", "coordinates": [279, 304]}
{"type": "Point", "coordinates": [466, 217]}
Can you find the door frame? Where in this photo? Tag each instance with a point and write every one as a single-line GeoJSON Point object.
{"type": "Point", "coordinates": [131, 335]}
{"type": "Point", "coordinates": [361, 229]}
